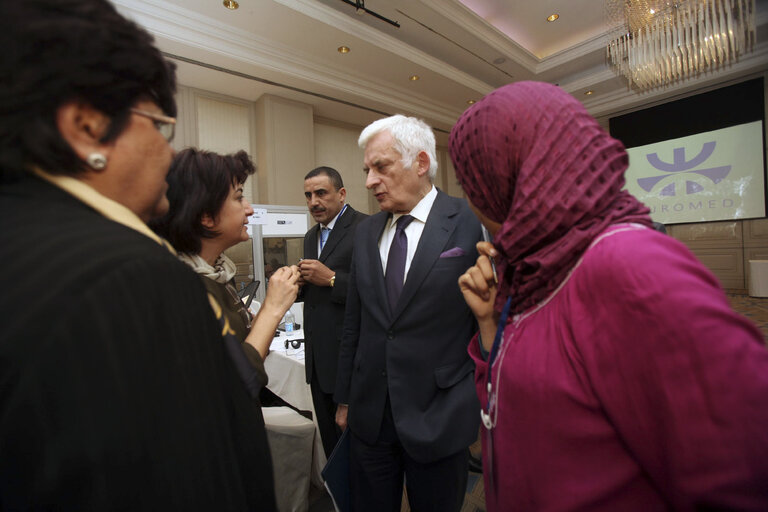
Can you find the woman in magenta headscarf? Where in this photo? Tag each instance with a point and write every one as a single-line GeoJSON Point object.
{"type": "Point", "coordinates": [619, 379]}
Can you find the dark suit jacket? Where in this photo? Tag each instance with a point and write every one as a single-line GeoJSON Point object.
{"type": "Point", "coordinates": [323, 305]}
{"type": "Point", "coordinates": [116, 391]}
{"type": "Point", "coordinates": [417, 353]}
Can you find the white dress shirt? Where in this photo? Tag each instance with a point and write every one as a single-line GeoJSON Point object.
{"type": "Point", "coordinates": [413, 232]}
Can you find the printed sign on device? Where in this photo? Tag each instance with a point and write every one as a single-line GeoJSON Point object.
{"type": "Point", "coordinates": [715, 175]}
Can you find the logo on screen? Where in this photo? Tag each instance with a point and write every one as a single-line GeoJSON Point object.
{"type": "Point", "coordinates": [681, 165]}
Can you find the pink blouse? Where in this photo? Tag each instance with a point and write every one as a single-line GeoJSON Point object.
{"type": "Point", "coordinates": [634, 386]}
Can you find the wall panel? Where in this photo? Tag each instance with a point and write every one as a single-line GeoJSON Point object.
{"type": "Point", "coordinates": [336, 146]}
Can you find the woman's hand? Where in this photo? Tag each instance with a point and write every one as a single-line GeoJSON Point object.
{"type": "Point", "coordinates": [282, 289]}
{"type": "Point", "coordinates": [281, 293]}
{"type": "Point", "coordinates": [478, 284]}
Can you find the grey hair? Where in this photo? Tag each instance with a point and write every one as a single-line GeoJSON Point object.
{"type": "Point", "coordinates": [411, 136]}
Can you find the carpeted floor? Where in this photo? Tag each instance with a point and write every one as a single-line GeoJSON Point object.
{"type": "Point", "coordinates": [475, 499]}
{"type": "Point", "coordinates": [754, 308]}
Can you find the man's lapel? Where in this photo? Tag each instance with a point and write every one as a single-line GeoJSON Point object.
{"type": "Point", "coordinates": [310, 244]}
{"type": "Point", "coordinates": [441, 223]}
{"type": "Point", "coordinates": [337, 233]}
{"type": "Point", "coordinates": [378, 223]}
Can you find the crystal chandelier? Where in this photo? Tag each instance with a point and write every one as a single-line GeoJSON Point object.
{"type": "Point", "coordinates": [661, 41]}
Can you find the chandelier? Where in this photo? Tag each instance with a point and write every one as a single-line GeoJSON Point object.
{"type": "Point", "coordinates": [658, 42]}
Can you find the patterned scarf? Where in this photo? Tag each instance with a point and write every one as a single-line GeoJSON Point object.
{"type": "Point", "coordinates": [222, 271]}
{"type": "Point", "coordinates": [530, 157]}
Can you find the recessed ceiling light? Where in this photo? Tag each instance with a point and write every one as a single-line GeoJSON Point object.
{"type": "Point", "coordinates": [552, 17]}
{"type": "Point", "coordinates": [589, 93]}
{"type": "Point", "coordinates": [231, 4]}
{"type": "Point", "coordinates": [470, 102]}
{"type": "Point", "coordinates": [343, 49]}
{"type": "Point", "coordinates": [413, 78]}
{"type": "Point", "coordinates": [500, 60]}
{"type": "Point", "coordinates": [652, 11]}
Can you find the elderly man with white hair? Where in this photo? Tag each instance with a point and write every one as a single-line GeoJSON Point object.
{"type": "Point", "coordinates": [405, 381]}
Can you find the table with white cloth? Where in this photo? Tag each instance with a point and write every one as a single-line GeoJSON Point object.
{"type": "Point", "coordinates": [287, 379]}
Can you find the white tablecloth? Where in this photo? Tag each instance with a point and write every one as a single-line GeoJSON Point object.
{"type": "Point", "coordinates": [287, 379]}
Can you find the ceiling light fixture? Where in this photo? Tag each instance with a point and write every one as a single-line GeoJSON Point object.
{"type": "Point", "coordinates": [470, 102]}
{"type": "Point", "coordinates": [589, 92]}
{"type": "Point", "coordinates": [231, 4]}
{"type": "Point", "coordinates": [413, 78]}
{"type": "Point", "coordinates": [552, 17]}
{"type": "Point", "coordinates": [661, 41]}
{"type": "Point", "coordinates": [343, 49]}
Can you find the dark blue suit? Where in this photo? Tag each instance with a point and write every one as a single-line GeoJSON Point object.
{"type": "Point", "coordinates": [413, 360]}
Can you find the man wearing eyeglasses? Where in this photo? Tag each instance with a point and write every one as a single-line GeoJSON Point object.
{"type": "Point", "coordinates": [116, 391]}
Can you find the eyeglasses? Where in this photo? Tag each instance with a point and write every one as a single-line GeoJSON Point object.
{"type": "Point", "coordinates": [164, 124]}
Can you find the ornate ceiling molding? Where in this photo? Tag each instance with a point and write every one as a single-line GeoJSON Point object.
{"type": "Point", "coordinates": [168, 21]}
{"type": "Point", "coordinates": [352, 27]}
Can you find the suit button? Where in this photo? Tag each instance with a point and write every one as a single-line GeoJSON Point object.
{"type": "Point", "coordinates": [384, 374]}
{"type": "Point", "coordinates": [390, 335]}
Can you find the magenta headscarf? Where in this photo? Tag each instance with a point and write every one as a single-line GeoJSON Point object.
{"type": "Point", "coordinates": [530, 157]}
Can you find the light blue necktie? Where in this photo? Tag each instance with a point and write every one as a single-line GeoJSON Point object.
{"type": "Point", "coordinates": [324, 232]}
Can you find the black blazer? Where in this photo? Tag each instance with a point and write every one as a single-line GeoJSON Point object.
{"type": "Point", "coordinates": [117, 391]}
{"type": "Point", "coordinates": [417, 353]}
{"type": "Point", "coordinates": [323, 305]}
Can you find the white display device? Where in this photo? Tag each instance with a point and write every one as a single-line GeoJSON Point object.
{"type": "Point", "coordinates": [710, 176]}
{"type": "Point", "coordinates": [277, 233]}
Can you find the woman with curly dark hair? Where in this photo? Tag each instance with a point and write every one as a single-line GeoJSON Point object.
{"type": "Point", "coordinates": [208, 214]}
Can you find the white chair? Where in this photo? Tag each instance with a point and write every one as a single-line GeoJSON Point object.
{"type": "Point", "coordinates": [758, 278]}
{"type": "Point", "coordinates": [291, 437]}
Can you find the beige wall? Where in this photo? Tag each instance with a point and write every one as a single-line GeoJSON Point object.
{"type": "Point", "coordinates": [336, 146]}
{"type": "Point", "coordinates": [285, 149]}
{"type": "Point", "coordinates": [215, 123]}
{"type": "Point", "coordinates": [726, 247]}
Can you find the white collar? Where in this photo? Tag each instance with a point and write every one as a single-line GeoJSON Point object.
{"type": "Point", "coordinates": [421, 211]}
{"type": "Point", "coordinates": [333, 222]}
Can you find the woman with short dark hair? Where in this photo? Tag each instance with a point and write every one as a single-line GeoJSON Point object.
{"type": "Point", "coordinates": [116, 392]}
{"type": "Point", "coordinates": [209, 214]}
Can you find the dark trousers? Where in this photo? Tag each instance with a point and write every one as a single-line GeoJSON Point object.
{"type": "Point", "coordinates": [377, 471]}
{"type": "Point", "coordinates": [325, 413]}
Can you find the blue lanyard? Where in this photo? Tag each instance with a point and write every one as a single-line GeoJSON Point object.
{"type": "Point", "coordinates": [486, 414]}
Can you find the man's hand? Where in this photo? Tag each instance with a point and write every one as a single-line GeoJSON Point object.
{"type": "Point", "coordinates": [341, 416]}
{"type": "Point", "coordinates": [314, 272]}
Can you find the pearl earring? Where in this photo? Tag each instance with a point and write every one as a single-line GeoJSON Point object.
{"type": "Point", "coordinates": [96, 161]}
